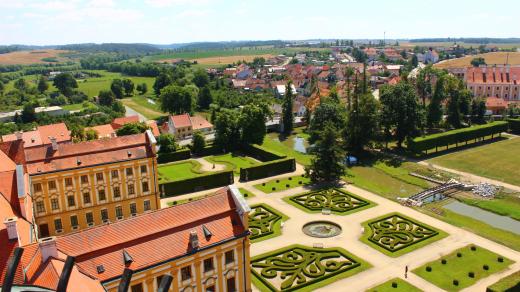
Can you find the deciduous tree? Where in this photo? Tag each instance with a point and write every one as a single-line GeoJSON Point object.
{"type": "Point", "coordinates": [106, 98]}
{"type": "Point", "coordinates": [178, 99]}
{"type": "Point", "coordinates": [198, 142]}
{"type": "Point", "coordinates": [117, 88]}
{"type": "Point", "coordinates": [42, 84]}
{"type": "Point", "coordinates": [65, 83]}
{"type": "Point", "coordinates": [128, 86]}
{"type": "Point", "coordinates": [132, 129]}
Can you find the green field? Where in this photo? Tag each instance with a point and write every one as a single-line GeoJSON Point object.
{"type": "Point", "coordinates": [179, 170]}
{"type": "Point", "coordinates": [497, 161]}
{"type": "Point", "coordinates": [92, 86]}
{"type": "Point", "coordinates": [233, 161]}
{"type": "Point", "coordinates": [401, 286]}
{"type": "Point", "coordinates": [508, 284]}
{"type": "Point", "coordinates": [458, 268]}
{"type": "Point", "coordinates": [141, 105]}
{"type": "Point", "coordinates": [282, 184]}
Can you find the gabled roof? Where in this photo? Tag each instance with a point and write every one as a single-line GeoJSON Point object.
{"type": "Point", "coordinates": [181, 121]}
{"type": "Point", "coordinates": [199, 123]}
{"type": "Point", "coordinates": [119, 122]}
{"type": "Point", "coordinates": [41, 135]}
{"type": "Point", "coordinates": [104, 131]}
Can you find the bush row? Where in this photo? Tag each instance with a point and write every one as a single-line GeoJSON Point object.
{"type": "Point", "coordinates": [199, 183]}
{"type": "Point", "coordinates": [268, 169]}
{"type": "Point", "coordinates": [514, 125]}
{"type": "Point", "coordinates": [182, 154]}
{"type": "Point", "coordinates": [426, 143]}
{"type": "Point", "coordinates": [262, 154]}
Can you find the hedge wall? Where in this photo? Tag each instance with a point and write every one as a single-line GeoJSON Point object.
{"type": "Point", "coordinates": [262, 153]}
{"type": "Point", "coordinates": [514, 125]}
{"type": "Point", "coordinates": [199, 183]}
{"type": "Point", "coordinates": [268, 169]}
{"type": "Point", "coordinates": [174, 156]}
{"type": "Point", "coordinates": [421, 144]}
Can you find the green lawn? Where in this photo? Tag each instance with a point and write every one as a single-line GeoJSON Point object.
{"type": "Point", "coordinates": [179, 170]}
{"type": "Point", "coordinates": [243, 191]}
{"type": "Point", "coordinates": [282, 184]}
{"type": "Point", "coordinates": [233, 161]}
{"type": "Point", "coordinates": [497, 160]}
{"type": "Point", "coordinates": [458, 268]}
{"type": "Point", "coordinates": [141, 105]}
{"type": "Point", "coordinates": [247, 194]}
{"type": "Point", "coordinates": [92, 86]}
{"type": "Point", "coordinates": [401, 286]}
{"type": "Point", "coordinates": [78, 106]}
{"type": "Point", "coordinates": [510, 283]}
{"type": "Point", "coordinates": [275, 142]}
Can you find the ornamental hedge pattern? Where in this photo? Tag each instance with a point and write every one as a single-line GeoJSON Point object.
{"type": "Point", "coordinates": [298, 266]}
{"type": "Point", "coordinates": [335, 200]}
{"type": "Point", "coordinates": [395, 232]}
{"type": "Point", "coordinates": [262, 221]}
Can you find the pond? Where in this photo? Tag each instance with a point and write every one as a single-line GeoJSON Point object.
{"type": "Point", "coordinates": [498, 221]}
{"type": "Point", "coordinates": [299, 144]}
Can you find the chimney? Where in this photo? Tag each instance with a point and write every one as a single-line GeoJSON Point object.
{"type": "Point", "coordinates": [19, 135]}
{"type": "Point", "coordinates": [194, 239]}
{"type": "Point", "coordinates": [48, 248]}
{"type": "Point", "coordinates": [54, 143]}
{"type": "Point", "coordinates": [10, 225]}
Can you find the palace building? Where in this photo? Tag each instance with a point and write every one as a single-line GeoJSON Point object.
{"type": "Point", "coordinates": [501, 81]}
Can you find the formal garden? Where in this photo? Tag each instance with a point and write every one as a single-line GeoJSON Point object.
{"type": "Point", "coordinates": [462, 268]}
{"type": "Point", "coordinates": [396, 234]}
{"type": "Point", "coordinates": [265, 222]}
{"type": "Point", "coordinates": [303, 268]}
{"type": "Point", "coordinates": [331, 201]}
{"type": "Point", "coordinates": [282, 184]}
{"type": "Point", "coordinates": [396, 284]}
{"type": "Point", "coordinates": [233, 161]}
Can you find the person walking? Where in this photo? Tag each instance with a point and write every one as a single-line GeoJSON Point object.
{"type": "Point", "coordinates": [406, 272]}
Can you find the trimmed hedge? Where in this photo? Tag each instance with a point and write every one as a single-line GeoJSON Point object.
{"type": "Point", "coordinates": [268, 169]}
{"type": "Point", "coordinates": [195, 184]}
{"type": "Point", "coordinates": [514, 125]}
{"type": "Point", "coordinates": [174, 156]}
{"type": "Point", "coordinates": [262, 154]}
{"type": "Point", "coordinates": [421, 144]}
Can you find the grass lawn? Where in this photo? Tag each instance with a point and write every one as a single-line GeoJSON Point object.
{"type": "Point", "coordinates": [510, 283]}
{"type": "Point", "coordinates": [233, 161]}
{"type": "Point", "coordinates": [497, 160]}
{"type": "Point", "coordinates": [282, 184]}
{"type": "Point", "coordinates": [277, 143]}
{"type": "Point", "coordinates": [247, 194]}
{"type": "Point", "coordinates": [141, 105]}
{"type": "Point", "coordinates": [311, 284]}
{"type": "Point", "coordinates": [458, 268]}
{"type": "Point", "coordinates": [401, 286]}
{"type": "Point", "coordinates": [78, 106]}
{"type": "Point", "coordinates": [179, 170]}
{"type": "Point", "coordinates": [411, 247]}
{"type": "Point", "coordinates": [504, 237]}
{"type": "Point", "coordinates": [92, 86]}
{"type": "Point", "coordinates": [244, 192]}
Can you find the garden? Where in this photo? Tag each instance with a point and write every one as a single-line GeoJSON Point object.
{"type": "Point", "coordinates": [303, 268]}
{"type": "Point", "coordinates": [233, 161]}
{"type": "Point", "coordinates": [265, 222]}
{"type": "Point", "coordinates": [334, 200]}
{"type": "Point", "coordinates": [396, 234]}
{"type": "Point", "coordinates": [179, 170]}
{"type": "Point", "coordinates": [462, 268]}
{"type": "Point", "coordinates": [396, 284]}
{"type": "Point", "coordinates": [282, 184]}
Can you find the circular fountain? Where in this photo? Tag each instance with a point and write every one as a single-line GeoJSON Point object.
{"type": "Point", "coordinates": [321, 229]}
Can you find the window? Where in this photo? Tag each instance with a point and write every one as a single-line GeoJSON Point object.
{"type": "Point", "coordinates": [230, 257]}
{"type": "Point", "coordinates": [186, 273]}
{"type": "Point", "coordinates": [86, 198]}
{"type": "Point", "coordinates": [52, 185]}
{"type": "Point", "coordinates": [99, 176]}
{"type": "Point", "coordinates": [117, 192]}
{"type": "Point", "coordinates": [137, 288]}
{"type": "Point", "coordinates": [115, 174]}
{"type": "Point", "coordinates": [71, 201]}
{"type": "Point", "coordinates": [146, 188]}
{"type": "Point", "coordinates": [37, 187]}
{"type": "Point", "coordinates": [55, 204]}
{"type": "Point", "coordinates": [68, 181]}
{"type": "Point", "coordinates": [159, 279]}
{"type": "Point", "coordinates": [146, 205]}
{"type": "Point", "coordinates": [210, 288]}
{"type": "Point", "coordinates": [74, 221]}
{"type": "Point", "coordinates": [40, 207]}
{"type": "Point", "coordinates": [230, 283]}
{"type": "Point", "coordinates": [101, 195]}
{"type": "Point", "coordinates": [90, 218]}
{"type": "Point", "coordinates": [208, 265]}
{"type": "Point", "coordinates": [133, 208]}
{"type": "Point", "coordinates": [129, 171]}
{"type": "Point", "coordinates": [57, 225]}
{"type": "Point", "coordinates": [119, 212]}
{"type": "Point", "coordinates": [104, 215]}
{"type": "Point", "coordinates": [131, 189]}
{"type": "Point", "coordinates": [143, 169]}
{"type": "Point", "coordinates": [84, 179]}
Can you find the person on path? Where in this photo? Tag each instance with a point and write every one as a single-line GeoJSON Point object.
{"type": "Point", "coordinates": [406, 272]}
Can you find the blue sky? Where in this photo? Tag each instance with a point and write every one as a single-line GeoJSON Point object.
{"type": "Point", "coordinates": [42, 22]}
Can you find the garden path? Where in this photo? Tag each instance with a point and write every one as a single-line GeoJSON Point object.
{"type": "Point", "coordinates": [207, 166]}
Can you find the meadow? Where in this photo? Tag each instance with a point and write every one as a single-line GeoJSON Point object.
{"type": "Point", "coordinates": [512, 58]}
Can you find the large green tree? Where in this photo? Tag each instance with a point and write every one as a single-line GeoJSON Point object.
{"type": "Point", "coordinates": [200, 78]}
{"type": "Point", "coordinates": [252, 123]}
{"type": "Point", "coordinates": [106, 98]}
{"type": "Point", "coordinates": [326, 111]}
{"type": "Point", "coordinates": [167, 143]}
{"type": "Point", "coordinates": [198, 142]}
{"type": "Point", "coordinates": [287, 109]}
{"type": "Point", "coordinates": [132, 128]}
{"type": "Point", "coordinates": [42, 84]}
{"type": "Point", "coordinates": [205, 98]}
{"type": "Point", "coordinates": [362, 123]}
{"type": "Point", "coordinates": [65, 83]}
{"type": "Point", "coordinates": [434, 113]}
{"type": "Point", "coordinates": [128, 86]}
{"type": "Point", "coordinates": [117, 88]}
{"type": "Point", "coordinates": [21, 84]}
{"type": "Point", "coordinates": [178, 99]}
{"type": "Point", "coordinates": [327, 164]}
{"type": "Point", "coordinates": [162, 80]}
{"type": "Point", "coordinates": [227, 130]}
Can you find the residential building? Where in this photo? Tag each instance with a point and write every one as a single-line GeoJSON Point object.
{"type": "Point", "coordinates": [183, 126]}
{"type": "Point", "coordinates": [41, 135]}
{"type": "Point", "coordinates": [109, 130]}
{"type": "Point", "coordinates": [431, 57]}
{"type": "Point", "coordinates": [203, 244]}
{"type": "Point", "coordinates": [280, 90]}
{"type": "Point", "coordinates": [76, 186]}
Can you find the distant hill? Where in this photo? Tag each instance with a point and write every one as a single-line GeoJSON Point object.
{"type": "Point", "coordinates": [222, 45]}
{"type": "Point", "coordinates": [128, 49]}
{"type": "Point", "coordinates": [468, 40]}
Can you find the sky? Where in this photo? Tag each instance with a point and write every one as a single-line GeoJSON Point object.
{"type": "Point", "coordinates": [56, 22]}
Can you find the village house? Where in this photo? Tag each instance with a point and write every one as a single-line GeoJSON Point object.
{"type": "Point", "coordinates": [42, 135]}
{"type": "Point", "coordinates": [183, 126]}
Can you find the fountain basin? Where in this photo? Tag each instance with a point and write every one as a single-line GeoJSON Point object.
{"type": "Point", "coordinates": [321, 229]}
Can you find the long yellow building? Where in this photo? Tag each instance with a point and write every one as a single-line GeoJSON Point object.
{"type": "Point", "coordinates": [76, 186]}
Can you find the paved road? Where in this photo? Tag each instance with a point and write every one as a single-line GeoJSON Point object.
{"type": "Point", "coordinates": [131, 112]}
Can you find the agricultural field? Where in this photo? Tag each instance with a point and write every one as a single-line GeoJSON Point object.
{"type": "Point", "coordinates": [512, 58]}
{"type": "Point", "coordinates": [216, 61]}
{"type": "Point", "coordinates": [33, 57]}
{"type": "Point", "coordinates": [501, 160]}
{"type": "Point", "coordinates": [462, 44]}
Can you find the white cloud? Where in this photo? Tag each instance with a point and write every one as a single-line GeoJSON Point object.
{"type": "Point", "coordinates": [169, 3]}
{"type": "Point", "coordinates": [193, 13]}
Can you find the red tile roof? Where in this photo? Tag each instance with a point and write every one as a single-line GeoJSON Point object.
{"type": "Point", "coordinates": [104, 131]}
{"type": "Point", "coordinates": [41, 135]}
{"type": "Point", "coordinates": [181, 121]}
{"type": "Point", "coordinates": [200, 123]}
{"type": "Point", "coordinates": [493, 75]}
{"type": "Point", "coordinates": [153, 126]}
{"type": "Point", "coordinates": [119, 122]}
{"type": "Point", "coordinates": [496, 103]}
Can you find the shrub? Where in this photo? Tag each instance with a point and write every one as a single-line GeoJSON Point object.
{"type": "Point", "coordinates": [290, 178]}
{"type": "Point", "coordinates": [514, 125]}
{"type": "Point", "coordinates": [277, 181]}
{"type": "Point", "coordinates": [195, 184]}
{"type": "Point", "coordinates": [175, 202]}
{"type": "Point", "coordinates": [473, 248]}
{"type": "Point", "coordinates": [303, 175]}
{"type": "Point", "coordinates": [300, 182]}
{"type": "Point", "coordinates": [273, 188]}
{"type": "Point", "coordinates": [443, 261]}
{"type": "Point", "coordinates": [262, 153]}
{"type": "Point", "coordinates": [459, 255]}
{"type": "Point", "coordinates": [263, 184]}
{"type": "Point", "coordinates": [287, 185]}
{"type": "Point", "coordinates": [394, 285]}
{"type": "Point", "coordinates": [500, 259]}
{"type": "Point", "coordinates": [428, 269]}
{"type": "Point", "coordinates": [471, 275]}
{"type": "Point", "coordinates": [173, 156]}
{"type": "Point", "coordinates": [246, 195]}
{"type": "Point", "coordinates": [485, 267]}
{"type": "Point", "coordinates": [456, 282]}
{"type": "Point", "coordinates": [267, 169]}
